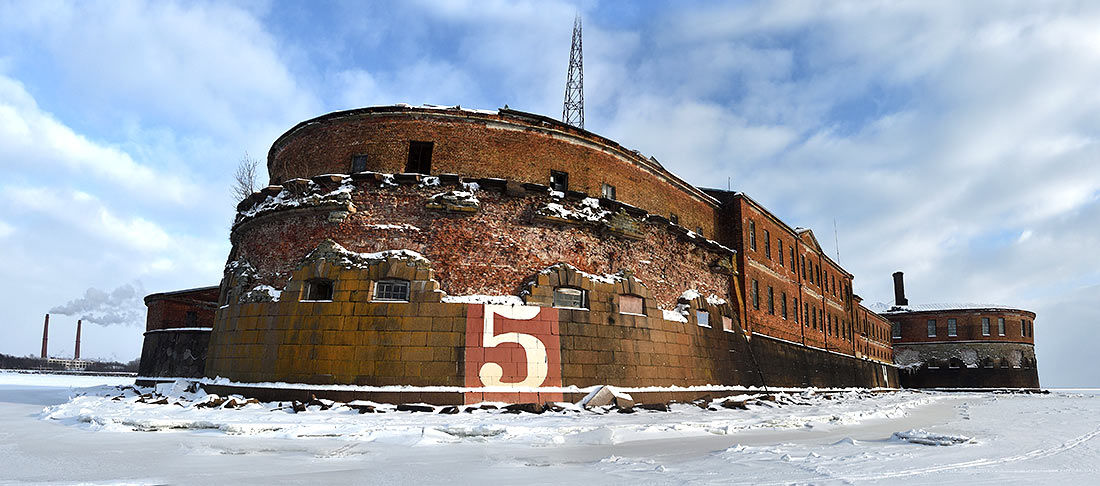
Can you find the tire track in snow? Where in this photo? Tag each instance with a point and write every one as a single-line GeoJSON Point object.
{"type": "Point", "coordinates": [1035, 454]}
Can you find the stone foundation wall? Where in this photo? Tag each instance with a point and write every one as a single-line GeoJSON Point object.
{"type": "Point", "coordinates": [968, 365]}
{"type": "Point", "coordinates": [174, 354]}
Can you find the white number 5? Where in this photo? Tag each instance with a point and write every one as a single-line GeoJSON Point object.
{"type": "Point", "coordinates": [537, 367]}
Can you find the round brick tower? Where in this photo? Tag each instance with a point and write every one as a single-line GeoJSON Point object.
{"type": "Point", "coordinates": [482, 254]}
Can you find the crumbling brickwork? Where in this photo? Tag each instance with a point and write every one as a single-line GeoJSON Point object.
{"type": "Point", "coordinates": [478, 144]}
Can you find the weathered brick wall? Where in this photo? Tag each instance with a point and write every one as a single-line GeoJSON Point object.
{"type": "Point", "coordinates": [492, 251]}
{"type": "Point", "coordinates": [873, 335]}
{"type": "Point", "coordinates": [486, 145]}
{"type": "Point", "coordinates": [806, 297]}
{"type": "Point", "coordinates": [169, 309]}
{"type": "Point", "coordinates": [914, 326]}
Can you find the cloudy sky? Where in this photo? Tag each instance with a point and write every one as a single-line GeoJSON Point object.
{"type": "Point", "coordinates": [955, 141]}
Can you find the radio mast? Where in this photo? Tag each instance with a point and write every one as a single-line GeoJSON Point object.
{"type": "Point", "coordinates": [573, 111]}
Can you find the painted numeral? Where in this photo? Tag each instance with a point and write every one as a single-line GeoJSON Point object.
{"type": "Point", "coordinates": [537, 366]}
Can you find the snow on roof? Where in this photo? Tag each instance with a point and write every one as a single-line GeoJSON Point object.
{"type": "Point", "coordinates": [884, 308]}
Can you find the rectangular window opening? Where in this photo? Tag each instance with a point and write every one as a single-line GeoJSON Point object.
{"type": "Point", "coordinates": [952, 328]}
{"type": "Point", "coordinates": [358, 163]}
{"type": "Point", "coordinates": [559, 181]}
{"type": "Point", "coordinates": [985, 326]}
{"type": "Point", "coordinates": [895, 330]}
{"type": "Point", "coordinates": [755, 294]}
{"type": "Point", "coordinates": [1000, 326]}
{"type": "Point", "coordinates": [420, 158]}
{"type": "Point", "coordinates": [702, 317]}
{"type": "Point", "coordinates": [931, 328]}
{"type": "Point", "coordinates": [318, 289]}
{"type": "Point", "coordinates": [391, 291]}
{"type": "Point", "coordinates": [767, 244]}
{"type": "Point", "coordinates": [607, 191]}
{"type": "Point", "coordinates": [771, 300]}
{"type": "Point", "coordinates": [570, 298]}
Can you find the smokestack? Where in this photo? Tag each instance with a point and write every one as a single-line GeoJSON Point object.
{"type": "Point", "coordinates": [45, 335]}
{"type": "Point", "coordinates": [899, 289]}
{"type": "Point", "coordinates": [76, 354]}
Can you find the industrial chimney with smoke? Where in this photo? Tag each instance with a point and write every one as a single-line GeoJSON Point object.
{"type": "Point", "coordinates": [76, 354]}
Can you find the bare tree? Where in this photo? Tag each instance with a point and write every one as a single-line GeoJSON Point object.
{"type": "Point", "coordinates": [244, 180]}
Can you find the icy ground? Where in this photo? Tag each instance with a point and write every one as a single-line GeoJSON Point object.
{"type": "Point", "coordinates": [71, 430]}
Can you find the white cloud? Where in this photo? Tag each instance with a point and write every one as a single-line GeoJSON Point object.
{"type": "Point", "coordinates": [83, 212]}
{"type": "Point", "coordinates": [6, 229]}
{"type": "Point", "coordinates": [31, 138]}
{"type": "Point", "coordinates": [203, 66]}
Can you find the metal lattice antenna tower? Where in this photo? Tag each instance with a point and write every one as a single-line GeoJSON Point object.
{"type": "Point", "coordinates": [573, 111]}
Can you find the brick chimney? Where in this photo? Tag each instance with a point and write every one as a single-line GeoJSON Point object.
{"type": "Point", "coordinates": [899, 289]}
{"type": "Point", "coordinates": [45, 335]}
{"type": "Point", "coordinates": [76, 354]}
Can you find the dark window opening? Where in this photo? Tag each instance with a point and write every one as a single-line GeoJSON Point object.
{"type": "Point", "coordinates": [559, 181]}
{"type": "Point", "coordinates": [767, 244]}
{"type": "Point", "coordinates": [358, 163]}
{"type": "Point", "coordinates": [779, 251]}
{"type": "Point", "coordinates": [392, 290]}
{"type": "Point", "coordinates": [771, 300]}
{"type": "Point", "coordinates": [318, 289]}
{"type": "Point", "coordinates": [607, 191]}
{"type": "Point", "coordinates": [191, 319]}
{"type": "Point", "coordinates": [420, 158]}
{"type": "Point", "coordinates": [752, 234]}
{"type": "Point", "coordinates": [756, 295]}
{"type": "Point", "coordinates": [783, 300]}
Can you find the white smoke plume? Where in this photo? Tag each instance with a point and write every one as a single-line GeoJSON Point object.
{"type": "Point", "coordinates": [124, 305]}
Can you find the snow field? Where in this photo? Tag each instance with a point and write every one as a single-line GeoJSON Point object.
{"type": "Point", "coordinates": [55, 433]}
{"type": "Point", "coordinates": [173, 407]}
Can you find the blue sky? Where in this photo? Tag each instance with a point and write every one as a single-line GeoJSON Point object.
{"type": "Point", "coordinates": [952, 140]}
